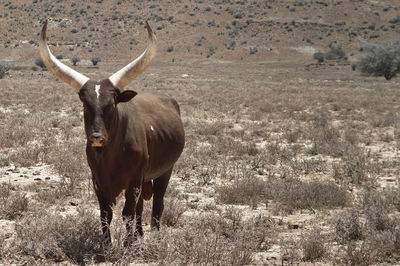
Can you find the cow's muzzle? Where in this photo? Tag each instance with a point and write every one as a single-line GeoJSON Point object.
{"type": "Point", "coordinates": [97, 139]}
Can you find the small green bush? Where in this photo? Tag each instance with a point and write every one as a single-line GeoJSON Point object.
{"type": "Point", "coordinates": [75, 60]}
{"type": "Point", "coordinates": [95, 60]}
{"type": "Point", "coordinates": [335, 53]}
{"type": "Point", "coordinates": [380, 59]}
{"type": "Point", "coordinates": [39, 62]}
{"type": "Point", "coordinates": [3, 71]}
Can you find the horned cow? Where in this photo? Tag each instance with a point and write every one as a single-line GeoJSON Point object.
{"type": "Point", "coordinates": [133, 140]}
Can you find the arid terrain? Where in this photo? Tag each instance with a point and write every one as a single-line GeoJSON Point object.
{"type": "Point", "coordinates": [286, 161]}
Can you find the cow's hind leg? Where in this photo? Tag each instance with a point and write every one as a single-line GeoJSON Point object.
{"type": "Point", "coordinates": [146, 194]}
{"type": "Point", "coordinates": [159, 187]}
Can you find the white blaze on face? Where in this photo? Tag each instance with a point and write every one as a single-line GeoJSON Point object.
{"type": "Point", "coordinates": [97, 89]}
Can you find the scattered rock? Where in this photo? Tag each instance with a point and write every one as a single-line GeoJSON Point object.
{"type": "Point", "coordinates": [293, 226]}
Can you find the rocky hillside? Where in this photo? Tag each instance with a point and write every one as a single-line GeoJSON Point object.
{"type": "Point", "coordinates": [199, 30]}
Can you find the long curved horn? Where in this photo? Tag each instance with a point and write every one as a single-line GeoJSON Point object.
{"type": "Point", "coordinates": [73, 78]}
{"type": "Point", "coordinates": [125, 75]}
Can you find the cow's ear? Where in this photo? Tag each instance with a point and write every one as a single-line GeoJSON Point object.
{"type": "Point", "coordinates": [126, 96]}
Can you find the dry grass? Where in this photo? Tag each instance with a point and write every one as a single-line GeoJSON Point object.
{"type": "Point", "coordinates": [258, 144]}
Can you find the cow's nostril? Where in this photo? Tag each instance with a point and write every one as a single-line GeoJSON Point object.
{"type": "Point", "coordinates": [97, 139]}
{"type": "Point", "coordinates": [96, 135]}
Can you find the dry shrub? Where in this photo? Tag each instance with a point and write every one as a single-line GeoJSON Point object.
{"type": "Point", "coordinates": [69, 160]}
{"type": "Point", "coordinates": [248, 190]}
{"type": "Point", "coordinates": [356, 168]}
{"type": "Point", "coordinates": [4, 160]}
{"type": "Point", "coordinates": [392, 197]}
{"type": "Point", "coordinates": [348, 226]}
{"type": "Point", "coordinates": [295, 194]}
{"type": "Point", "coordinates": [26, 156]}
{"type": "Point", "coordinates": [54, 237]}
{"type": "Point", "coordinates": [307, 166]}
{"type": "Point", "coordinates": [173, 211]}
{"type": "Point", "coordinates": [379, 233]}
{"type": "Point", "coordinates": [326, 139]}
{"type": "Point", "coordinates": [351, 136]}
{"type": "Point", "coordinates": [228, 146]}
{"type": "Point", "coordinates": [313, 245]}
{"type": "Point", "coordinates": [5, 191]}
{"type": "Point", "coordinates": [376, 209]}
{"type": "Point", "coordinates": [386, 245]}
{"type": "Point", "coordinates": [13, 203]}
{"type": "Point", "coordinates": [208, 239]}
{"type": "Point", "coordinates": [291, 193]}
{"type": "Point", "coordinates": [15, 135]}
{"type": "Point", "coordinates": [210, 129]}
{"type": "Point", "coordinates": [357, 255]}
{"type": "Point", "coordinates": [50, 196]}
{"type": "Point", "coordinates": [322, 131]}
{"type": "Point", "coordinates": [383, 120]}
{"type": "Point", "coordinates": [290, 250]}
{"type": "Point", "coordinates": [292, 133]}
{"type": "Point", "coordinates": [279, 153]}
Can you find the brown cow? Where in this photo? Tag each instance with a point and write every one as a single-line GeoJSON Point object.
{"type": "Point", "coordinates": [133, 140]}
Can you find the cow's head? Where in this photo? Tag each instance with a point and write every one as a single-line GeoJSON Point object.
{"type": "Point", "coordinates": [99, 98]}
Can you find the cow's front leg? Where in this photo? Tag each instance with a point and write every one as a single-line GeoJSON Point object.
{"type": "Point", "coordinates": [106, 217]}
{"type": "Point", "coordinates": [128, 213]}
{"type": "Point", "coordinates": [139, 211]}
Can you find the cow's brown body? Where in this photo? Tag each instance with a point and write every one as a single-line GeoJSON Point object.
{"type": "Point", "coordinates": [143, 145]}
{"type": "Point", "coordinates": [132, 142]}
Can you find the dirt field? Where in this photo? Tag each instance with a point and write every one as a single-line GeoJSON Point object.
{"type": "Point", "coordinates": [283, 164]}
